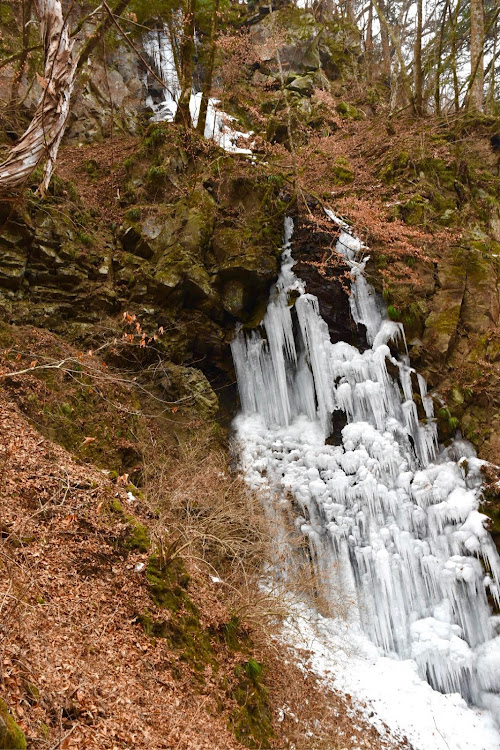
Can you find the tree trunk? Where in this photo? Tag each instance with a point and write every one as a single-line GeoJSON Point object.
{"type": "Point", "coordinates": [209, 73]}
{"type": "Point", "coordinates": [417, 64]}
{"type": "Point", "coordinates": [369, 43]}
{"type": "Point", "coordinates": [453, 52]}
{"type": "Point", "coordinates": [350, 11]}
{"type": "Point", "coordinates": [439, 64]}
{"type": "Point", "coordinates": [43, 136]}
{"type": "Point", "coordinates": [384, 38]}
{"type": "Point", "coordinates": [384, 25]}
{"type": "Point", "coordinates": [490, 103]}
{"type": "Point", "coordinates": [475, 100]}
{"type": "Point", "coordinates": [187, 66]}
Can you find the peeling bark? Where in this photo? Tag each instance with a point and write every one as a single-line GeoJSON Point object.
{"type": "Point", "coordinates": [42, 138]}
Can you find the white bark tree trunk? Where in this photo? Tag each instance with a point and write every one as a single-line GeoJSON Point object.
{"type": "Point", "coordinates": [42, 138]}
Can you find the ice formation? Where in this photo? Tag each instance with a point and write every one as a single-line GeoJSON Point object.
{"type": "Point", "coordinates": [383, 510]}
{"type": "Point", "coordinates": [163, 100]}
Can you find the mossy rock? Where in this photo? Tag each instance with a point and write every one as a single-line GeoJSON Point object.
{"type": "Point", "coordinates": [139, 538]}
{"type": "Point", "coordinates": [438, 171]}
{"type": "Point", "coordinates": [395, 167]}
{"type": "Point", "coordinates": [11, 735]}
{"type": "Point", "coordinates": [342, 172]}
{"type": "Point", "coordinates": [191, 386]}
{"type": "Point", "coordinates": [252, 721]}
{"type": "Point", "coordinates": [302, 85]}
{"type": "Point", "coordinates": [414, 211]}
{"type": "Point", "coordinates": [168, 584]}
{"type": "Point", "coordinates": [348, 111]}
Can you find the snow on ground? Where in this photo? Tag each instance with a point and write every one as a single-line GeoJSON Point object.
{"type": "Point", "coordinates": [390, 692]}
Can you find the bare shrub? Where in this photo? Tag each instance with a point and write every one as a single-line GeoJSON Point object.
{"type": "Point", "coordinates": [206, 514]}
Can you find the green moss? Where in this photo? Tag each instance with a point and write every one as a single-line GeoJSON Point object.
{"type": "Point", "coordinates": [251, 721]}
{"type": "Point", "coordinates": [91, 167]}
{"type": "Point", "coordinates": [348, 111]}
{"type": "Point", "coordinates": [156, 175]}
{"type": "Point", "coordinates": [457, 395]}
{"type": "Point", "coordinates": [11, 735]}
{"type": "Point", "coordinates": [444, 321]}
{"type": "Point", "coordinates": [66, 409]}
{"type": "Point", "coordinates": [155, 137]}
{"type": "Point", "coordinates": [139, 538]}
{"type": "Point", "coordinates": [129, 163]}
{"type": "Point", "coordinates": [235, 638]}
{"type": "Point", "coordinates": [168, 584]}
{"type": "Point", "coordinates": [133, 214]}
{"type": "Point", "coordinates": [395, 167]}
{"type": "Point", "coordinates": [437, 171]}
{"type": "Point", "coordinates": [184, 632]}
{"type": "Point", "coordinates": [74, 409]}
{"type": "Point", "coordinates": [342, 172]}
{"type": "Point", "coordinates": [414, 211]}
{"type": "Point", "coordinates": [6, 336]}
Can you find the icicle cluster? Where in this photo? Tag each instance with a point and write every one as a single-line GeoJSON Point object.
{"type": "Point", "coordinates": [397, 522]}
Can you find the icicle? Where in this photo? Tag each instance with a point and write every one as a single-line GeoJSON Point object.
{"type": "Point", "coordinates": [399, 525]}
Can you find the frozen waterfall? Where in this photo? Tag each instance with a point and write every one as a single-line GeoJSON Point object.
{"type": "Point", "coordinates": [163, 101]}
{"type": "Point", "coordinates": [398, 521]}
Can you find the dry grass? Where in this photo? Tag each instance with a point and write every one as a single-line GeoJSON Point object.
{"type": "Point", "coordinates": [205, 513]}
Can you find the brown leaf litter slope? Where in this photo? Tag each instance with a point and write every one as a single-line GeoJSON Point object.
{"type": "Point", "coordinates": [78, 668]}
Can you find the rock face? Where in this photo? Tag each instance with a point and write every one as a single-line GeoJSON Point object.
{"type": "Point", "coordinates": [301, 44]}
{"type": "Point", "coordinates": [194, 262]}
{"type": "Point", "coordinates": [309, 249]}
{"type": "Point", "coordinates": [446, 305]}
{"type": "Point", "coordinates": [116, 91]}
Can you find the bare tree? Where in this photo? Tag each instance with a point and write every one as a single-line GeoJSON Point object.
{"type": "Point", "coordinates": [209, 72]}
{"type": "Point", "coordinates": [475, 100]}
{"type": "Point", "coordinates": [418, 73]}
{"type": "Point", "coordinates": [43, 136]}
{"type": "Point", "coordinates": [187, 65]}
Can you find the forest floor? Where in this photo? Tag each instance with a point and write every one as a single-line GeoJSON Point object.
{"type": "Point", "coordinates": [80, 666]}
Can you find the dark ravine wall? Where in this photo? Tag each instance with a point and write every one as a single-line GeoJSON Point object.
{"type": "Point", "coordinates": [193, 260]}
